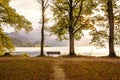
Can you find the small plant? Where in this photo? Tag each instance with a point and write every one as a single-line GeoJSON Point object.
{"type": "Point", "coordinates": [24, 55]}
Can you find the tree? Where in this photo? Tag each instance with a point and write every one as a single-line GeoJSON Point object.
{"type": "Point", "coordinates": [8, 16]}
{"type": "Point", "coordinates": [107, 25]}
{"type": "Point", "coordinates": [5, 43]}
{"type": "Point", "coordinates": [44, 6]}
{"type": "Point", "coordinates": [111, 28]}
{"type": "Point", "coordinates": [72, 16]}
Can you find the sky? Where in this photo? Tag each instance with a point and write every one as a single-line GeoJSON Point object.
{"type": "Point", "coordinates": [30, 9]}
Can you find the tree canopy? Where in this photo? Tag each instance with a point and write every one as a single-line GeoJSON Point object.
{"type": "Point", "coordinates": [72, 17]}
{"type": "Point", "coordinates": [8, 16]}
{"type": "Point", "coordinates": [82, 9]}
{"type": "Point", "coordinates": [101, 33]}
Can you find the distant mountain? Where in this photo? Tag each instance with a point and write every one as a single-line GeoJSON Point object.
{"type": "Point", "coordinates": [32, 36]}
{"type": "Point", "coordinates": [21, 42]}
{"type": "Point", "coordinates": [23, 39]}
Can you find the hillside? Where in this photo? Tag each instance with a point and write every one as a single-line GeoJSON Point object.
{"type": "Point", "coordinates": [31, 39]}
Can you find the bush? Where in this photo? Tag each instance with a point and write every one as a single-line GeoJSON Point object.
{"type": "Point", "coordinates": [7, 54]}
{"type": "Point", "coordinates": [24, 55]}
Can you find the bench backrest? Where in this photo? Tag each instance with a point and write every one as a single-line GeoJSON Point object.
{"type": "Point", "coordinates": [57, 52]}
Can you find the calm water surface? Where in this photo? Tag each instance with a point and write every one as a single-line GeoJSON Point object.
{"type": "Point", "coordinates": [89, 51]}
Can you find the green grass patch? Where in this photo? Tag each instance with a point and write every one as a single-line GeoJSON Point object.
{"type": "Point", "coordinates": [25, 69]}
{"type": "Point", "coordinates": [92, 70]}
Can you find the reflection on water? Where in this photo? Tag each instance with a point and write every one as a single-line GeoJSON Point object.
{"type": "Point", "coordinates": [89, 51]}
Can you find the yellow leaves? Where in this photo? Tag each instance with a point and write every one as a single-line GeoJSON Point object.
{"type": "Point", "coordinates": [4, 1]}
{"type": "Point", "coordinates": [5, 42]}
{"type": "Point", "coordinates": [14, 19]}
{"type": "Point", "coordinates": [86, 22]}
{"type": "Point", "coordinates": [1, 1]}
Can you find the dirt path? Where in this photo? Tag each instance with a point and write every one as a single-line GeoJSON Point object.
{"type": "Point", "coordinates": [58, 71]}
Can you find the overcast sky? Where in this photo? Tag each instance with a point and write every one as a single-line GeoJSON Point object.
{"type": "Point", "coordinates": [30, 9]}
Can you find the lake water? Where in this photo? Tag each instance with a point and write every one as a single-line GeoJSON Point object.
{"type": "Point", "coordinates": [89, 51]}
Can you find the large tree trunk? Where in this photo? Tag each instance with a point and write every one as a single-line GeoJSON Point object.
{"type": "Point", "coordinates": [71, 42]}
{"type": "Point", "coordinates": [111, 29]}
{"type": "Point", "coordinates": [42, 30]}
{"type": "Point", "coordinates": [71, 29]}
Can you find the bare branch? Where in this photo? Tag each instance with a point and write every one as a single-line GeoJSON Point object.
{"type": "Point", "coordinates": [76, 3]}
{"type": "Point", "coordinates": [68, 2]}
{"type": "Point", "coordinates": [80, 11]}
{"type": "Point", "coordinates": [39, 1]}
{"type": "Point", "coordinates": [78, 29]}
{"type": "Point", "coordinates": [60, 7]}
{"type": "Point", "coordinates": [46, 4]}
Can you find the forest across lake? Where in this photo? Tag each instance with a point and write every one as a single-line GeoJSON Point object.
{"type": "Point", "coordinates": [85, 51]}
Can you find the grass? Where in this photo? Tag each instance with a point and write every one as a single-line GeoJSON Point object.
{"type": "Point", "coordinates": [40, 68]}
{"type": "Point", "coordinates": [96, 69]}
{"type": "Point", "coordinates": [11, 55]}
{"type": "Point", "coordinates": [25, 69]}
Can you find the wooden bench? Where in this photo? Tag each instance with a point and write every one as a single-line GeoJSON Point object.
{"type": "Point", "coordinates": [53, 53]}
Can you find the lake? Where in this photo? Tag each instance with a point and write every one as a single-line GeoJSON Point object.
{"type": "Point", "coordinates": [87, 51]}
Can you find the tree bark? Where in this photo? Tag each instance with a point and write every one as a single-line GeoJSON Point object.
{"type": "Point", "coordinates": [111, 29]}
{"type": "Point", "coordinates": [42, 30]}
{"type": "Point", "coordinates": [71, 30]}
{"type": "Point", "coordinates": [72, 51]}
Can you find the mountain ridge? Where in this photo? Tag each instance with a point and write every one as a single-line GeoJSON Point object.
{"type": "Point", "coordinates": [32, 39]}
